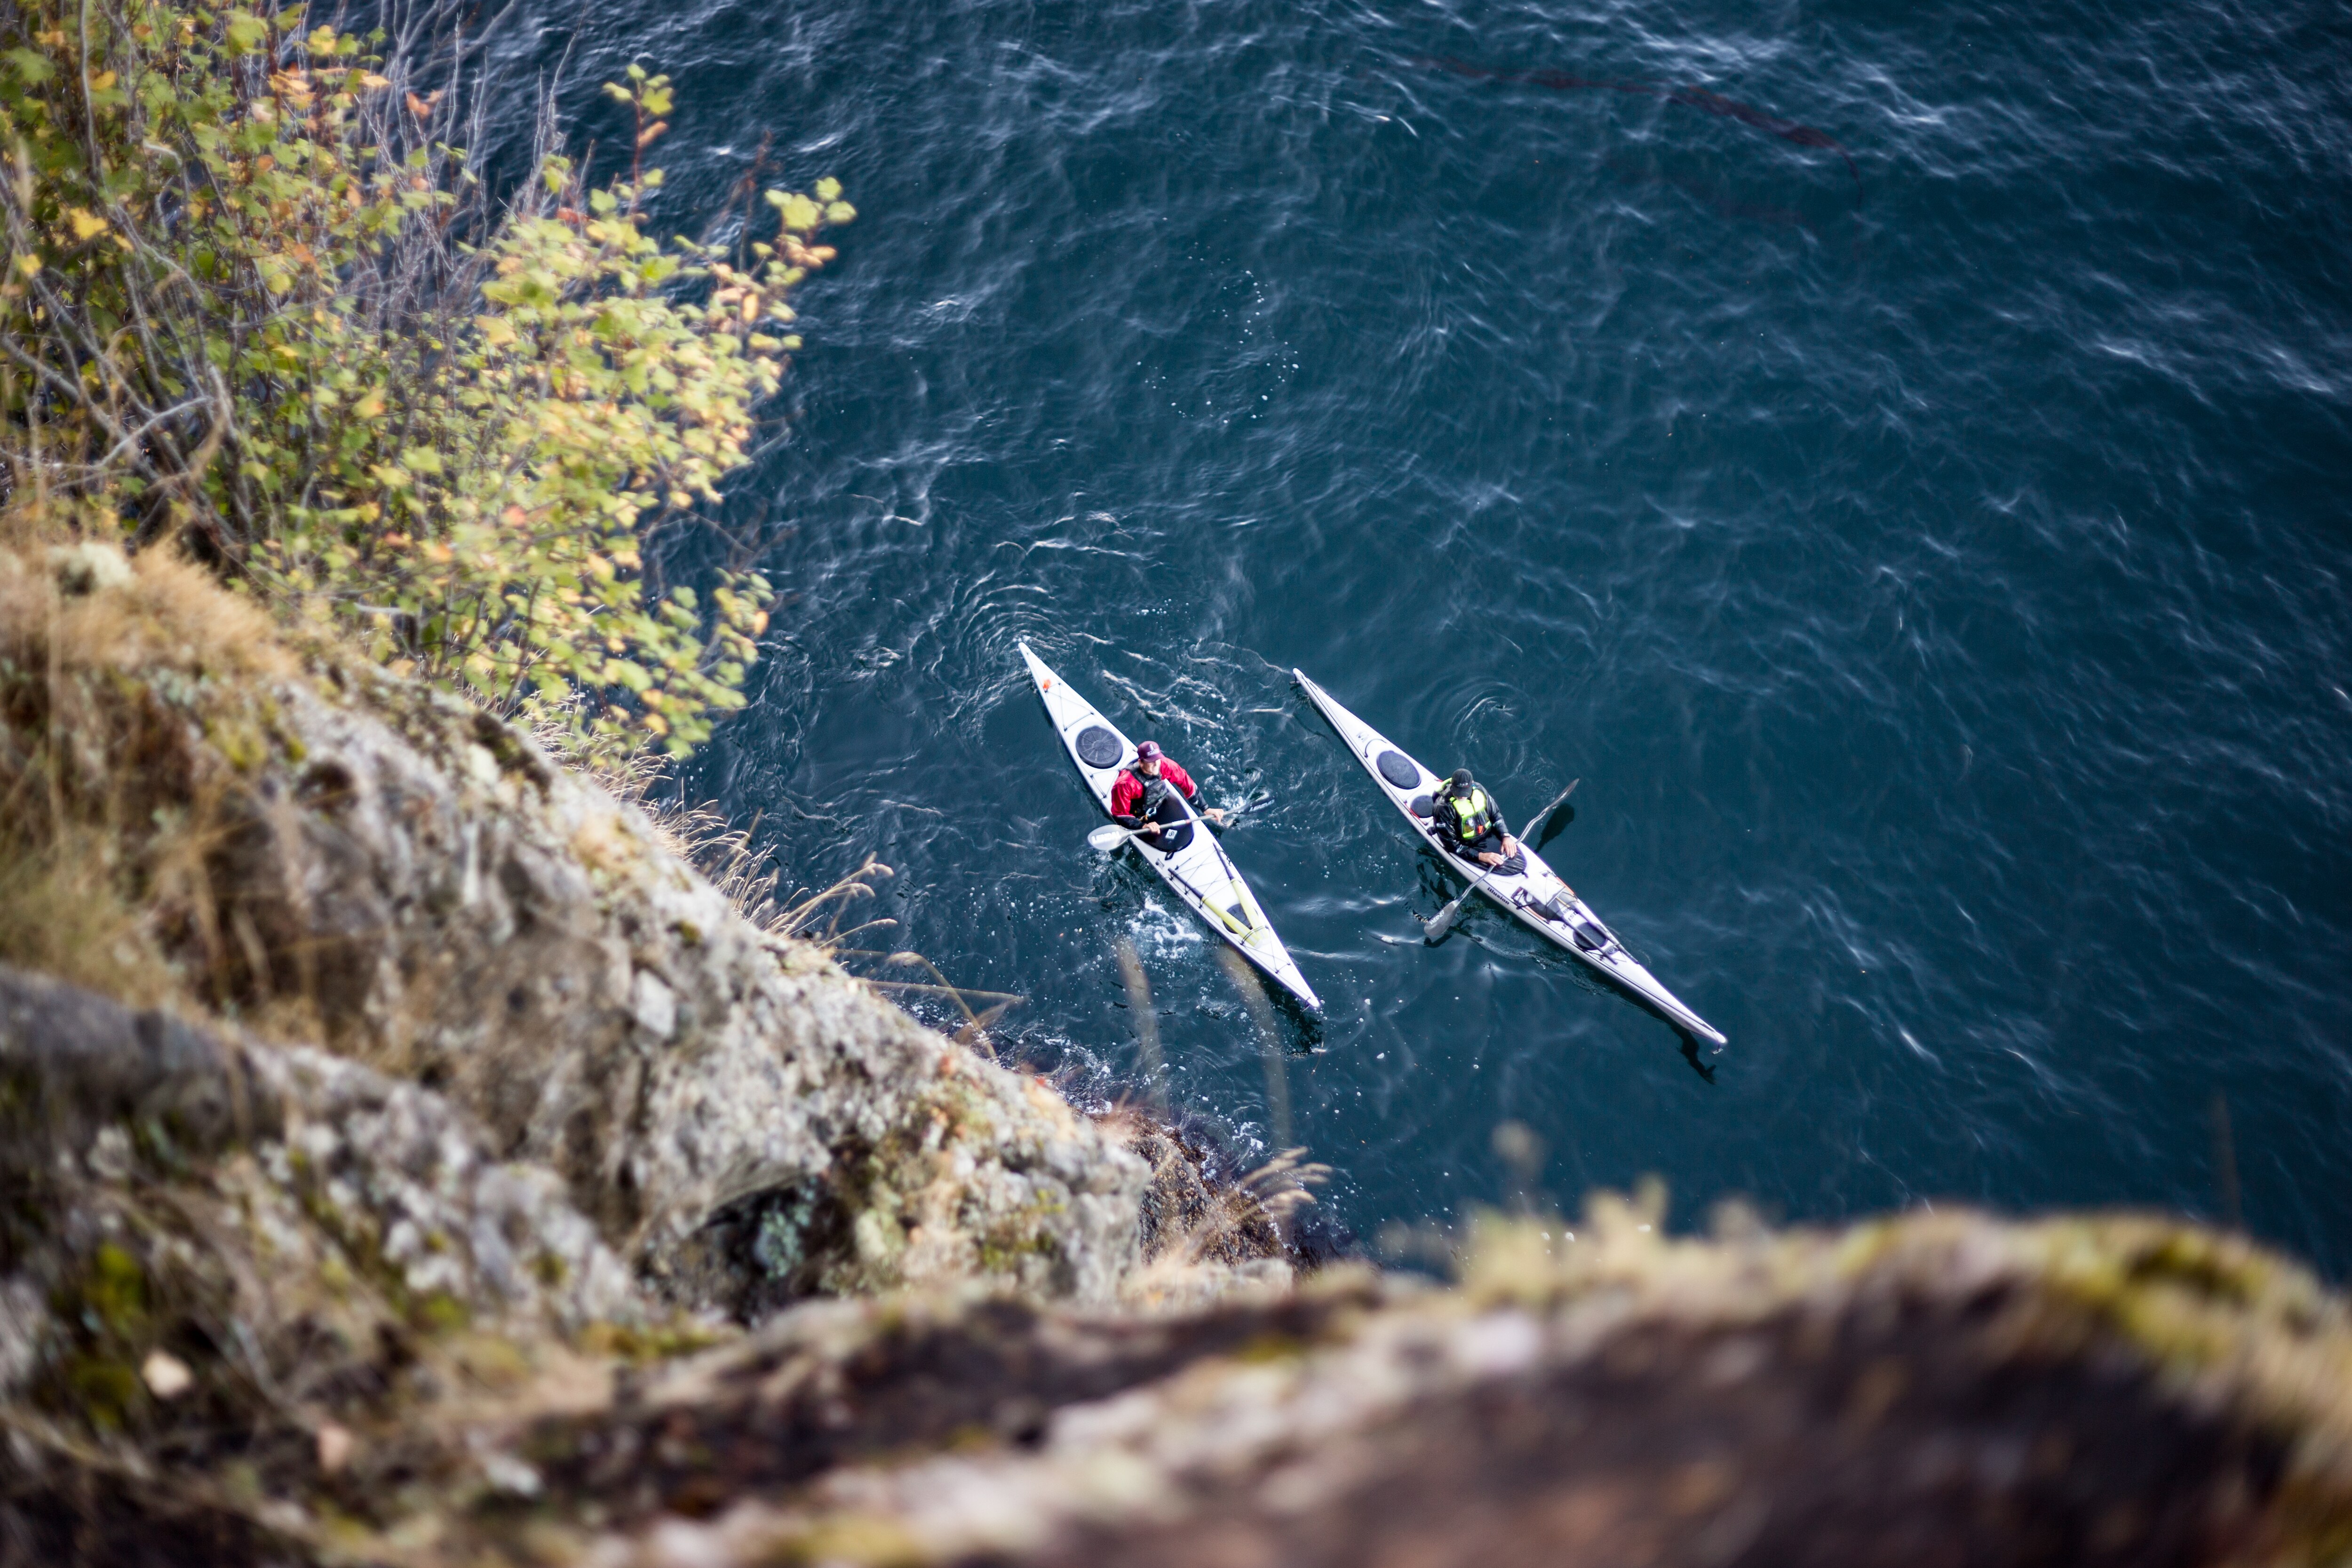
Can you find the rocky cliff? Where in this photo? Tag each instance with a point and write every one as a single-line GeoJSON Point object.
{"type": "Point", "coordinates": [323, 854]}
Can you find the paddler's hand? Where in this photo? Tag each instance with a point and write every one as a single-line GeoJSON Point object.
{"type": "Point", "coordinates": [1488, 858]}
{"type": "Point", "coordinates": [1215, 814]}
{"type": "Point", "coordinates": [1510, 848]}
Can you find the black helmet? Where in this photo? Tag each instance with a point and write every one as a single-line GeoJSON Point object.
{"type": "Point", "coordinates": [1461, 779]}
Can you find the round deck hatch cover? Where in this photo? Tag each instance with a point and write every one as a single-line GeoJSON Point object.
{"type": "Point", "coordinates": [1423, 805]}
{"type": "Point", "coordinates": [1398, 769]}
{"type": "Point", "coordinates": [1098, 748]}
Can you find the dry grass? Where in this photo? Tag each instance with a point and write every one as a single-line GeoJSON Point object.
{"type": "Point", "coordinates": [135, 703]}
{"type": "Point", "coordinates": [133, 694]}
{"type": "Point", "coordinates": [734, 862]}
{"type": "Point", "coordinates": [61, 913]}
{"type": "Point", "coordinates": [1214, 1247]}
{"type": "Point", "coordinates": [170, 613]}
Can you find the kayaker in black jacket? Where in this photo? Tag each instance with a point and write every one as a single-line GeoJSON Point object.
{"type": "Point", "coordinates": [1468, 825]}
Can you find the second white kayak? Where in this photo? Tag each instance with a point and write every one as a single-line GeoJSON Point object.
{"type": "Point", "coordinates": [1536, 898]}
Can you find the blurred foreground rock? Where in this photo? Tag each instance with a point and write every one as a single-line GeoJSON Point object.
{"type": "Point", "coordinates": [1932, 1390]}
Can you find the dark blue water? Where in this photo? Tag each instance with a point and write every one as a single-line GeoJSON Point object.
{"type": "Point", "coordinates": [1934, 563]}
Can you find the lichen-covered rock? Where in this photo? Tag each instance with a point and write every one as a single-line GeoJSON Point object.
{"type": "Point", "coordinates": [269, 1305]}
{"type": "Point", "coordinates": [401, 1179]}
{"type": "Point", "coordinates": [172, 1182]}
{"type": "Point", "coordinates": [345, 858]}
{"type": "Point", "coordinates": [487, 923]}
{"type": "Point", "coordinates": [227, 1265]}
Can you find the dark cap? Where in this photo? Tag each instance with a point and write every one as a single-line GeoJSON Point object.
{"type": "Point", "coordinates": [1461, 779]}
{"type": "Point", "coordinates": [1148, 751]}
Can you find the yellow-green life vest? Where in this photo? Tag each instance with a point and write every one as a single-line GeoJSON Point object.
{"type": "Point", "coordinates": [1472, 817]}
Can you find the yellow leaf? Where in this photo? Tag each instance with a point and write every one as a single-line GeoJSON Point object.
{"type": "Point", "coordinates": [800, 212]}
{"type": "Point", "coordinates": [86, 225]}
{"type": "Point", "coordinates": [101, 81]}
{"type": "Point", "coordinates": [29, 264]}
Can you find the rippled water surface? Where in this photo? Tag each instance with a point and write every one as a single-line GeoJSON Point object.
{"type": "Point", "coordinates": [1908, 486]}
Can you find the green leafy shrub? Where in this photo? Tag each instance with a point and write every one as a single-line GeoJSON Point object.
{"type": "Point", "coordinates": [254, 299]}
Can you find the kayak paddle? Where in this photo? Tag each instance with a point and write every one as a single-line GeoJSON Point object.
{"type": "Point", "coordinates": [1110, 834]}
{"type": "Point", "coordinates": [1540, 817]}
{"type": "Point", "coordinates": [1252, 804]}
{"type": "Point", "coordinates": [1438, 924]}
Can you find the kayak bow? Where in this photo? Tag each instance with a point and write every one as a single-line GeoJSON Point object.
{"type": "Point", "coordinates": [1536, 898]}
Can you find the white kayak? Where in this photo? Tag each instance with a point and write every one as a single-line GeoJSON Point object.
{"type": "Point", "coordinates": [1537, 898]}
{"type": "Point", "coordinates": [1200, 874]}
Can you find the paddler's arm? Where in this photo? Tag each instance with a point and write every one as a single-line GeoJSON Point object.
{"type": "Point", "coordinates": [1184, 781]}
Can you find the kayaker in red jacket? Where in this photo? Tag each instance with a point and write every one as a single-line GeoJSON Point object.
{"type": "Point", "coordinates": [1144, 797]}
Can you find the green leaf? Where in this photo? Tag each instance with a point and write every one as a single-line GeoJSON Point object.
{"type": "Point", "coordinates": [32, 67]}
{"type": "Point", "coordinates": [247, 32]}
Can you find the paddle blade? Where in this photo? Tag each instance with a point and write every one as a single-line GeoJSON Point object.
{"type": "Point", "coordinates": [1438, 924]}
{"type": "Point", "coordinates": [1109, 835]}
